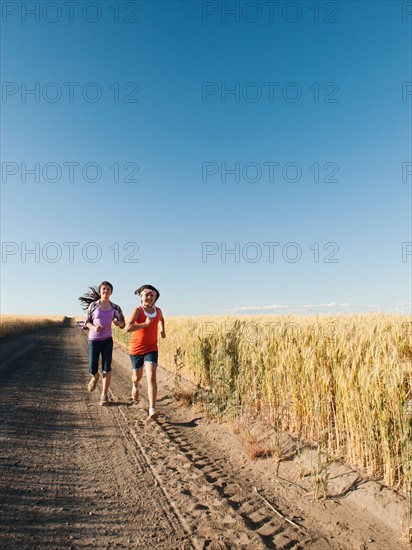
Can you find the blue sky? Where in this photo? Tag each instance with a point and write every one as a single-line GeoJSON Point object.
{"type": "Point", "coordinates": [240, 156]}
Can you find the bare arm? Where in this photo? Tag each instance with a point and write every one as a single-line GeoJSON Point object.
{"type": "Point", "coordinates": [131, 324]}
{"type": "Point", "coordinates": [162, 325]}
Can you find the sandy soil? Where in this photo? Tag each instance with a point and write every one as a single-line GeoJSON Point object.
{"type": "Point", "coordinates": [77, 475]}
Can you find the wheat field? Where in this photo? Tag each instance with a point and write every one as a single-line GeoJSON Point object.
{"type": "Point", "coordinates": [22, 324]}
{"type": "Point", "coordinates": [341, 382]}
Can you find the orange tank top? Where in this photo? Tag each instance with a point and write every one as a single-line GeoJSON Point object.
{"type": "Point", "coordinates": [144, 340]}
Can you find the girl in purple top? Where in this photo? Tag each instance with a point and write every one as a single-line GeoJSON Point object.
{"type": "Point", "coordinates": [101, 313]}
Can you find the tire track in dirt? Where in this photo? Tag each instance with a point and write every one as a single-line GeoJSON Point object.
{"type": "Point", "coordinates": [201, 493]}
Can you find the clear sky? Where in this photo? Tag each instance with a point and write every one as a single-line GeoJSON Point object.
{"type": "Point", "coordinates": [240, 156]}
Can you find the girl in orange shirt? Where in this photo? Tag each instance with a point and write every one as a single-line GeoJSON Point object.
{"type": "Point", "coordinates": [143, 324]}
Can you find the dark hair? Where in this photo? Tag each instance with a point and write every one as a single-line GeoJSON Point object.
{"type": "Point", "coordinates": [93, 294]}
{"type": "Point", "coordinates": [107, 284]}
{"type": "Point", "coordinates": [150, 287]}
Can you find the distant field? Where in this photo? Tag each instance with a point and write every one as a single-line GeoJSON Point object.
{"type": "Point", "coordinates": [342, 382]}
{"type": "Point", "coordinates": [21, 324]}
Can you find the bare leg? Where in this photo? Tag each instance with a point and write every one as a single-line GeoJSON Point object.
{"type": "Point", "coordinates": [107, 376]}
{"type": "Point", "coordinates": [136, 377]}
{"type": "Point", "coordinates": [151, 384]}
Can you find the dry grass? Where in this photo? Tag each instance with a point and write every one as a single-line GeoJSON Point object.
{"type": "Point", "coordinates": [22, 324]}
{"type": "Point", "coordinates": [184, 396]}
{"type": "Point", "coordinates": [257, 442]}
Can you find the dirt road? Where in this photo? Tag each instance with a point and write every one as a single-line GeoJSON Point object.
{"type": "Point", "coordinates": [77, 475]}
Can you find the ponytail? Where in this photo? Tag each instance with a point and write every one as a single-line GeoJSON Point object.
{"type": "Point", "coordinates": [92, 295]}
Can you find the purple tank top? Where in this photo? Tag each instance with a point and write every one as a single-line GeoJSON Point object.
{"type": "Point", "coordinates": [104, 318]}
